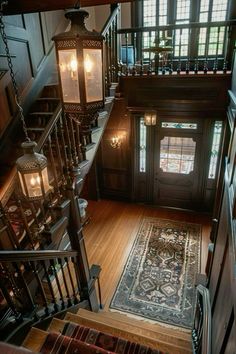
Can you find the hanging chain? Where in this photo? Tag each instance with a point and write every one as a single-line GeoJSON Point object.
{"type": "Point", "coordinates": [10, 65]}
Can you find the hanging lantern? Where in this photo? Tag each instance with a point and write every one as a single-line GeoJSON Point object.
{"type": "Point", "coordinates": [79, 55]}
{"type": "Point", "coordinates": [32, 172]}
{"type": "Point", "coordinates": [150, 118]}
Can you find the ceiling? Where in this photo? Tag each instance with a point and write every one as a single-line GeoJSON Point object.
{"type": "Point", "coordinates": [24, 6]}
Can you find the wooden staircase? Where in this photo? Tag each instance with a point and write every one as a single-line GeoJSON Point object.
{"type": "Point", "coordinates": [167, 340]}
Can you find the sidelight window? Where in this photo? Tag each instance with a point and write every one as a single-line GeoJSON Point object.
{"type": "Point", "coordinates": [215, 149]}
{"type": "Point", "coordinates": [177, 154]}
{"type": "Point", "coordinates": [142, 145]}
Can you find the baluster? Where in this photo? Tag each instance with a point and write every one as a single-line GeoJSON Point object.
{"type": "Point", "coordinates": [215, 66]}
{"type": "Point", "coordinates": [40, 286]}
{"type": "Point", "coordinates": [64, 146]}
{"type": "Point", "coordinates": [50, 286]}
{"type": "Point", "coordinates": [205, 67]}
{"type": "Point", "coordinates": [107, 64]}
{"type": "Point", "coordinates": [72, 136]}
{"type": "Point", "coordinates": [19, 274]}
{"type": "Point", "coordinates": [58, 151]}
{"type": "Point", "coordinates": [196, 66]}
{"type": "Point", "coordinates": [78, 142]}
{"type": "Point", "coordinates": [53, 165]}
{"type": "Point", "coordinates": [68, 142]}
{"type": "Point", "coordinates": [52, 263]}
{"type": "Point", "coordinates": [141, 68]}
{"type": "Point", "coordinates": [126, 53]}
{"type": "Point", "coordinates": [6, 293]}
{"type": "Point", "coordinates": [10, 231]}
{"type": "Point", "coordinates": [187, 68]}
{"type": "Point", "coordinates": [69, 303]}
{"type": "Point", "coordinates": [25, 223]}
{"type": "Point", "coordinates": [71, 281]}
{"type": "Point", "coordinates": [225, 67]}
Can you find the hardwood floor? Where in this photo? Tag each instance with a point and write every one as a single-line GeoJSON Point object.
{"type": "Point", "coordinates": [111, 232]}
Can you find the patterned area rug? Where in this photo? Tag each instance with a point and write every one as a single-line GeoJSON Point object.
{"type": "Point", "coordinates": [159, 277]}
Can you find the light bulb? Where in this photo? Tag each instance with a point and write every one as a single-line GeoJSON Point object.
{"type": "Point", "coordinates": [73, 64]}
{"type": "Point", "coordinates": [88, 64]}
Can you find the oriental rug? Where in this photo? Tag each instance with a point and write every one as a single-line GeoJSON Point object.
{"type": "Point", "coordinates": [158, 281]}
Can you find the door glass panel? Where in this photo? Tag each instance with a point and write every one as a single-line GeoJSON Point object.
{"type": "Point", "coordinates": [177, 154]}
{"type": "Point", "coordinates": [142, 145]}
{"type": "Point", "coordinates": [215, 149]}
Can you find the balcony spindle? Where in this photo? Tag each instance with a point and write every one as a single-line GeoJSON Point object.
{"type": "Point", "coordinates": [71, 281]}
{"type": "Point", "coordinates": [49, 283]}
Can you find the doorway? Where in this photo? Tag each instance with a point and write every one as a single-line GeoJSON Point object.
{"type": "Point", "coordinates": [172, 162]}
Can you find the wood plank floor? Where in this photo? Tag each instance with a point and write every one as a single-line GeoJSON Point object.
{"type": "Point", "coordinates": [110, 234]}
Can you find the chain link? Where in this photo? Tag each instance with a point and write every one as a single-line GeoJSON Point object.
{"type": "Point", "coordinates": [10, 65]}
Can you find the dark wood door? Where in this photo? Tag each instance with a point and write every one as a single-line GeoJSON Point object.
{"type": "Point", "coordinates": [177, 163]}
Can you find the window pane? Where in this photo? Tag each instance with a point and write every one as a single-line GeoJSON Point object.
{"type": "Point", "coordinates": [215, 149]}
{"type": "Point", "coordinates": [149, 13]}
{"type": "Point", "coordinates": [162, 13]}
{"type": "Point", "coordinates": [204, 11]}
{"type": "Point", "coordinates": [177, 155]}
{"type": "Point", "coordinates": [142, 145]}
{"type": "Point", "coordinates": [216, 40]}
{"type": "Point", "coordinates": [179, 125]}
{"type": "Point", "coordinates": [183, 11]}
{"type": "Point", "coordinates": [181, 42]}
{"type": "Point", "coordinates": [219, 10]}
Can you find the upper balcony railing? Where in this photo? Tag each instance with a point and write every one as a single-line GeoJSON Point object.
{"type": "Point", "coordinates": [189, 47]}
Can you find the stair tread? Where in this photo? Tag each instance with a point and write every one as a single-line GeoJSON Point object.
{"type": "Point", "coordinates": [134, 336]}
{"type": "Point", "coordinates": [41, 113]}
{"type": "Point", "coordinates": [182, 338]}
{"type": "Point", "coordinates": [48, 99]}
{"type": "Point", "coordinates": [186, 336]}
{"type": "Point", "coordinates": [35, 339]}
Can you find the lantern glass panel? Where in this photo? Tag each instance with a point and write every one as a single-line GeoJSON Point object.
{"type": "Point", "coordinates": [93, 74]}
{"type": "Point", "coordinates": [69, 75]}
{"type": "Point", "coordinates": [33, 183]}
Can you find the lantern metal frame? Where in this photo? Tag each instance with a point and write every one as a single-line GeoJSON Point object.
{"type": "Point", "coordinates": [150, 118]}
{"type": "Point", "coordinates": [79, 39]}
{"type": "Point", "coordinates": [31, 164]}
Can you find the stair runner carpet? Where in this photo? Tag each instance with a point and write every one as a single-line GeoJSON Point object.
{"type": "Point", "coordinates": [83, 340]}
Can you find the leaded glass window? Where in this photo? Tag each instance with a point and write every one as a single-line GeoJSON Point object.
{"type": "Point", "coordinates": [215, 149]}
{"type": "Point", "coordinates": [174, 125]}
{"type": "Point", "coordinates": [142, 145]}
{"type": "Point", "coordinates": [177, 154]}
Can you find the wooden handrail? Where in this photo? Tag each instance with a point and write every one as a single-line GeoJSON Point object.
{"type": "Point", "coordinates": [110, 20]}
{"type": "Point", "coordinates": [206, 321]}
{"type": "Point", "coordinates": [17, 256]}
{"type": "Point", "coordinates": [177, 26]}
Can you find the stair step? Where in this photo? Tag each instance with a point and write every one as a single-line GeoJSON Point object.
{"type": "Point", "coordinates": [168, 335]}
{"type": "Point", "coordinates": [35, 339]}
{"type": "Point", "coordinates": [41, 114]}
{"type": "Point", "coordinates": [173, 333]}
{"type": "Point", "coordinates": [48, 99]}
{"type": "Point", "coordinates": [132, 333]}
{"type": "Point", "coordinates": [56, 325]}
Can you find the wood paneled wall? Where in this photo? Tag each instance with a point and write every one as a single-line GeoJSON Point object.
{"type": "Point", "coordinates": [201, 98]}
{"type": "Point", "coordinates": [30, 44]}
{"type": "Point", "coordinates": [222, 279]}
{"type": "Point", "coordinates": [114, 164]}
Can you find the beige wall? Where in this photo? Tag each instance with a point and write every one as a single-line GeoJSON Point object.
{"type": "Point", "coordinates": [99, 15]}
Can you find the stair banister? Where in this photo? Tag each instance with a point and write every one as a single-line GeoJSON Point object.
{"type": "Point", "coordinates": [202, 328]}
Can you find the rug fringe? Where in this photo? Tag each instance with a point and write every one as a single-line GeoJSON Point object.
{"type": "Point", "coordinates": [162, 324]}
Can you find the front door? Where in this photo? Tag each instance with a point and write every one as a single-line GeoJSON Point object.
{"type": "Point", "coordinates": [177, 161]}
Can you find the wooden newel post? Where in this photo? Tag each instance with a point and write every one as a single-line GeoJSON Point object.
{"type": "Point", "coordinates": [87, 283]}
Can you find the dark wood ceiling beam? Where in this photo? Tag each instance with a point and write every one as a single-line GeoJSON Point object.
{"type": "Point", "coordinates": [25, 6]}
